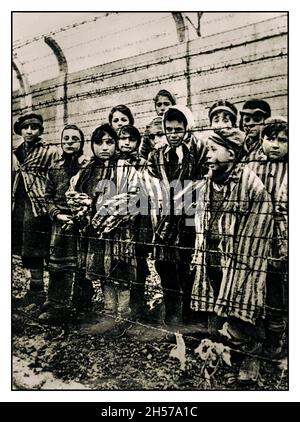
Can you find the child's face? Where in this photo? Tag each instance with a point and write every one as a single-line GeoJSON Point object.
{"type": "Point", "coordinates": [218, 158]}
{"type": "Point", "coordinates": [252, 124]}
{"type": "Point", "coordinates": [275, 147]}
{"type": "Point", "coordinates": [119, 120]}
{"type": "Point", "coordinates": [104, 148]}
{"type": "Point", "coordinates": [162, 104]}
{"type": "Point", "coordinates": [30, 132]}
{"type": "Point", "coordinates": [126, 143]}
{"type": "Point", "coordinates": [175, 132]}
{"type": "Point", "coordinates": [220, 119]}
{"type": "Point", "coordinates": [71, 141]}
{"type": "Point", "coordinates": [157, 137]}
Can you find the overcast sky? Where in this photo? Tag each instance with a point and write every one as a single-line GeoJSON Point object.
{"type": "Point", "coordinates": [27, 25]}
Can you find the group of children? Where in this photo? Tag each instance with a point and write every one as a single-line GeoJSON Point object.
{"type": "Point", "coordinates": [229, 266]}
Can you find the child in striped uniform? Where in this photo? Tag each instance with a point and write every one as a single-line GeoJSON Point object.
{"type": "Point", "coordinates": [234, 224]}
{"type": "Point", "coordinates": [30, 222]}
{"type": "Point", "coordinates": [253, 114]}
{"type": "Point", "coordinates": [122, 256]}
{"type": "Point", "coordinates": [90, 183]}
{"type": "Point", "coordinates": [63, 253]}
{"type": "Point", "coordinates": [270, 163]}
{"type": "Point", "coordinates": [173, 165]}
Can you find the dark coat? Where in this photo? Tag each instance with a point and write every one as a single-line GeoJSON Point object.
{"type": "Point", "coordinates": [63, 246]}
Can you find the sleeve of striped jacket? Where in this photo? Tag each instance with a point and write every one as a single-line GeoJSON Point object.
{"type": "Point", "coordinates": [50, 187]}
{"type": "Point", "coordinates": [281, 218]}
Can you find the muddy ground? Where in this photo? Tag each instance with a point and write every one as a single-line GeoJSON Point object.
{"type": "Point", "coordinates": [75, 357]}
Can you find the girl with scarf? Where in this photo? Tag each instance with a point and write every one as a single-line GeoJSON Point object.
{"type": "Point", "coordinates": [234, 226]}
{"type": "Point", "coordinates": [63, 256]}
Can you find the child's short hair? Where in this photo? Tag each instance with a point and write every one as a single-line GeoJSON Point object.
{"type": "Point", "coordinates": [132, 131]}
{"type": "Point", "coordinates": [175, 114]}
{"type": "Point", "coordinates": [74, 127]}
{"type": "Point", "coordinates": [226, 106]}
{"type": "Point", "coordinates": [274, 125]}
{"type": "Point", "coordinates": [122, 109]}
{"type": "Point", "coordinates": [165, 93]}
{"type": "Point", "coordinates": [100, 131]}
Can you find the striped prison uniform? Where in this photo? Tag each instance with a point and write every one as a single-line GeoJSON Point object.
{"type": "Point", "coordinates": [245, 229]}
{"type": "Point", "coordinates": [32, 165]}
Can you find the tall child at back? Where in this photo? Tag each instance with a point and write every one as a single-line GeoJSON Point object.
{"type": "Point", "coordinates": [162, 101]}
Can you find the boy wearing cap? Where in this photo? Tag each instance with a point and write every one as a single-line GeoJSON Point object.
{"type": "Point", "coordinates": [233, 223]}
{"type": "Point", "coordinates": [270, 163]}
{"type": "Point", "coordinates": [253, 115]}
{"type": "Point", "coordinates": [222, 114]}
{"type": "Point", "coordinates": [30, 223]}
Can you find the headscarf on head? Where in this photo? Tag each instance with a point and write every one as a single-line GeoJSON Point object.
{"type": "Point", "coordinates": [184, 112]}
{"type": "Point", "coordinates": [231, 138]}
{"type": "Point", "coordinates": [165, 93]}
{"type": "Point", "coordinates": [71, 160]}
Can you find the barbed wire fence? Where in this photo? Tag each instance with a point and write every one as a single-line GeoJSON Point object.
{"type": "Point", "coordinates": [267, 86]}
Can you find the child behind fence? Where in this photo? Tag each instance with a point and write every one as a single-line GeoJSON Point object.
{"type": "Point", "coordinates": [162, 101]}
{"type": "Point", "coordinates": [270, 163]}
{"type": "Point", "coordinates": [30, 222]}
{"type": "Point", "coordinates": [234, 225]}
{"type": "Point", "coordinates": [121, 265]}
{"type": "Point", "coordinates": [85, 188]}
{"type": "Point", "coordinates": [63, 253]}
{"type": "Point", "coordinates": [253, 114]}
{"type": "Point", "coordinates": [174, 164]}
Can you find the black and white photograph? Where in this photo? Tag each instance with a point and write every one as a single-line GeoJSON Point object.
{"type": "Point", "coordinates": [149, 200]}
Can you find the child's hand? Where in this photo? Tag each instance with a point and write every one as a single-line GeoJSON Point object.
{"type": "Point", "coordinates": [64, 218]}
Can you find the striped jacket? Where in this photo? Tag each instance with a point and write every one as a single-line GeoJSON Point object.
{"type": "Point", "coordinates": [32, 166]}
{"type": "Point", "coordinates": [245, 229]}
{"type": "Point", "coordinates": [157, 178]}
{"type": "Point", "coordinates": [272, 174]}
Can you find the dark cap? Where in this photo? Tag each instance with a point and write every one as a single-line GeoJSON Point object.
{"type": "Point", "coordinates": [26, 119]}
{"type": "Point", "coordinates": [255, 105]}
